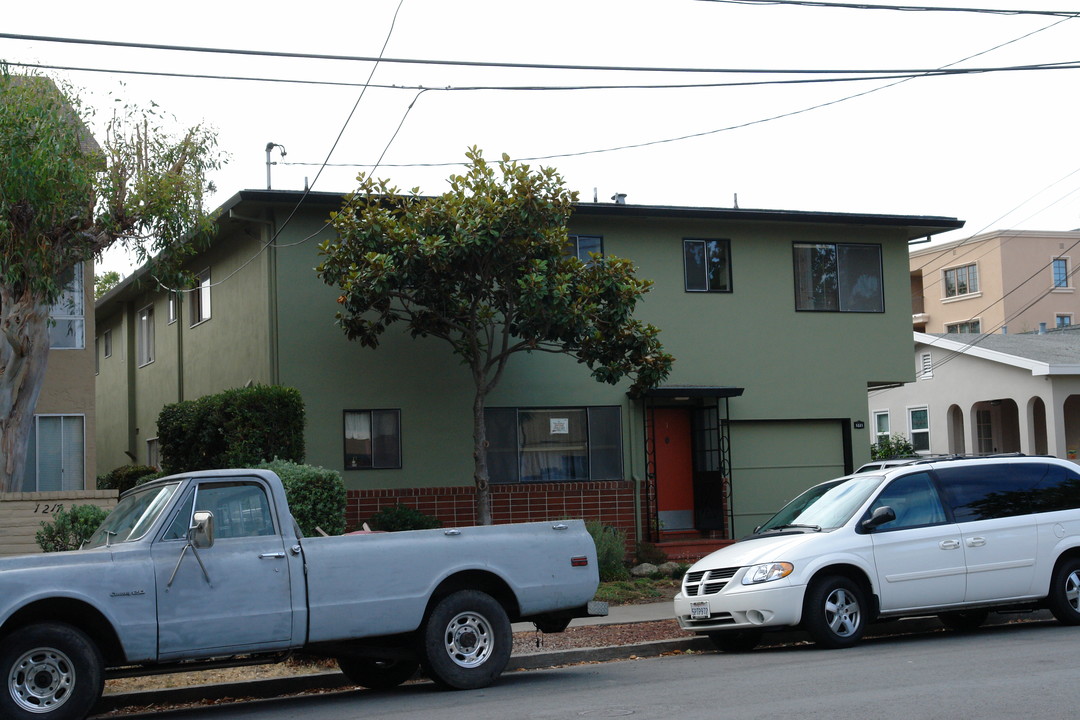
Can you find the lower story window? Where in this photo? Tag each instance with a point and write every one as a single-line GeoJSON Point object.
{"type": "Point", "coordinates": [919, 427]}
{"type": "Point", "coordinates": [554, 444]}
{"type": "Point", "coordinates": [372, 439]}
{"type": "Point", "coordinates": [881, 426]}
{"type": "Point", "coordinates": [1063, 321]}
{"type": "Point", "coordinates": [971, 326]}
{"type": "Point", "coordinates": [56, 457]}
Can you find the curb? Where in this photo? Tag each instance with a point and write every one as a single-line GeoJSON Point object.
{"type": "Point", "coordinates": [275, 687]}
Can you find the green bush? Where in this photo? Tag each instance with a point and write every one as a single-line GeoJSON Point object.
{"type": "Point", "coordinates": [236, 428]}
{"type": "Point", "coordinates": [610, 550]}
{"type": "Point", "coordinates": [126, 477]}
{"type": "Point", "coordinates": [402, 517]}
{"type": "Point", "coordinates": [69, 529]}
{"type": "Point", "coordinates": [316, 496]}
{"type": "Point", "coordinates": [649, 553]}
{"type": "Point", "coordinates": [895, 446]}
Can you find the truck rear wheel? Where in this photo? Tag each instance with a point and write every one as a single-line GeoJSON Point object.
{"type": "Point", "coordinates": [466, 641]}
{"type": "Point", "coordinates": [52, 671]}
{"type": "Point", "coordinates": [377, 674]}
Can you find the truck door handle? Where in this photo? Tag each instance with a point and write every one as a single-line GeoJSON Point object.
{"type": "Point", "coordinates": [949, 544]}
{"type": "Point", "coordinates": [559, 526]}
{"type": "Point", "coordinates": [272, 556]}
{"type": "Point", "coordinates": [976, 542]}
{"type": "Point", "coordinates": [452, 532]}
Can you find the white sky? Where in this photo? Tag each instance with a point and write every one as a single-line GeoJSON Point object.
{"type": "Point", "coordinates": [997, 150]}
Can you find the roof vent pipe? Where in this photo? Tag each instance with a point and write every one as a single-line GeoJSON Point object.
{"type": "Point", "coordinates": [1042, 328]}
{"type": "Point", "coordinates": [1004, 329]}
{"type": "Point", "coordinates": [619, 198]}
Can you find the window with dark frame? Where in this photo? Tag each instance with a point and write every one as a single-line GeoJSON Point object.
{"type": "Point", "coordinates": [707, 265]}
{"type": "Point", "coordinates": [1061, 272]}
{"type": "Point", "coordinates": [581, 245]}
{"type": "Point", "coordinates": [372, 439]}
{"type": "Point", "coordinates": [971, 326]}
{"type": "Point", "coordinates": [838, 277]}
{"type": "Point", "coordinates": [527, 445]}
{"type": "Point", "coordinates": [962, 280]}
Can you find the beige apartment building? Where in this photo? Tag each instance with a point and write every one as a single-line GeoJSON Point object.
{"type": "Point", "coordinates": [1011, 281]}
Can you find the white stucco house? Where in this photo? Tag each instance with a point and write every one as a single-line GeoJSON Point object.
{"type": "Point", "coordinates": [985, 394]}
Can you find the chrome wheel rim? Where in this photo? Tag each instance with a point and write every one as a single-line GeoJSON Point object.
{"type": "Point", "coordinates": [1072, 590]}
{"type": "Point", "coordinates": [842, 612]}
{"type": "Point", "coordinates": [468, 639]}
{"type": "Point", "coordinates": [41, 680]}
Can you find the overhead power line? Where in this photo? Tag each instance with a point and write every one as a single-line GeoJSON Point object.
{"type": "Point", "coordinates": [902, 8]}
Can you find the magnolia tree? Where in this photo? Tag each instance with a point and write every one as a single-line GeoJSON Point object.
{"type": "Point", "coordinates": [63, 200]}
{"type": "Point", "coordinates": [484, 267]}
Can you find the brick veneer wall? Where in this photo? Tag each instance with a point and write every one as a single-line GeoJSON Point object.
{"type": "Point", "coordinates": [612, 503]}
{"type": "Point", "coordinates": [21, 514]}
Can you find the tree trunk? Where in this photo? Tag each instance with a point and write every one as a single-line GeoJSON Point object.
{"type": "Point", "coordinates": [480, 466]}
{"type": "Point", "coordinates": [24, 352]}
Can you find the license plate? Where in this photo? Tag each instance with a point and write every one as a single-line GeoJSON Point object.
{"type": "Point", "coordinates": [699, 610]}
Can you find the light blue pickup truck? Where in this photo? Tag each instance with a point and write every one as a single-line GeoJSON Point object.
{"type": "Point", "coordinates": [209, 569]}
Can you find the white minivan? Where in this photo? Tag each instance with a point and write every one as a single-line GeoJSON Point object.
{"type": "Point", "coordinates": [952, 537]}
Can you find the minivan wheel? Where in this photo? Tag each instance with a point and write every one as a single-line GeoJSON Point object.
{"type": "Point", "coordinates": [964, 620]}
{"type": "Point", "coordinates": [1064, 597]}
{"type": "Point", "coordinates": [834, 612]}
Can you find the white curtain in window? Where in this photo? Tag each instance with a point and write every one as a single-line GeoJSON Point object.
{"type": "Point", "coordinates": [60, 452]}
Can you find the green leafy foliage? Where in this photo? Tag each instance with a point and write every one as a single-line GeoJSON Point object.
{"type": "Point", "coordinates": [105, 282]}
{"type": "Point", "coordinates": [69, 529]}
{"type": "Point", "coordinates": [484, 267]}
{"type": "Point", "coordinates": [647, 552]}
{"type": "Point", "coordinates": [236, 428]}
{"type": "Point", "coordinates": [126, 477]}
{"type": "Point", "coordinates": [402, 517]}
{"type": "Point", "coordinates": [895, 446]}
{"type": "Point", "coordinates": [316, 496]}
{"type": "Point", "coordinates": [610, 550]}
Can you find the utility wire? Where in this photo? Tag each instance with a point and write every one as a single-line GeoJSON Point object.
{"type": "Point", "coordinates": [902, 8]}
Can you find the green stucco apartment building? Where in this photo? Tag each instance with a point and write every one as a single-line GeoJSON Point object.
{"type": "Point", "coordinates": [778, 320]}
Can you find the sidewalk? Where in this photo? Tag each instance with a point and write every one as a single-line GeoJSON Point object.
{"type": "Point", "coordinates": [618, 615]}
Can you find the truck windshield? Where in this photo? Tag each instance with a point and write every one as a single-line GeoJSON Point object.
{"type": "Point", "coordinates": [133, 517]}
{"type": "Point", "coordinates": [825, 506]}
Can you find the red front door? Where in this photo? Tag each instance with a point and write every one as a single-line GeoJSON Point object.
{"type": "Point", "coordinates": [674, 469]}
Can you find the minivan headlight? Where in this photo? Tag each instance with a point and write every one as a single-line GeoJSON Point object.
{"type": "Point", "coordinates": [767, 572]}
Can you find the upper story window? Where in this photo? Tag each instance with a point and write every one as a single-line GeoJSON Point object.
{"type": "Point", "coordinates": [1061, 272]}
{"type": "Point", "coordinates": [961, 281]}
{"type": "Point", "coordinates": [144, 335]}
{"type": "Point", "coordinates": [199, 298]}
{"type": "Point", "coordinates": [581, 245]}
{"type": "Point", "coordinates": [838, 277]}
{"type": "Point", "coordinates": [173, 300]}
{"type": "Point", "coordinates": [69, 322]}
{"type": "Point", "coordinates": [707, 265]}
{"type": "Point", "coordinates": [971, 326]}
{"type": "Point", "coordinates": [107, 340]}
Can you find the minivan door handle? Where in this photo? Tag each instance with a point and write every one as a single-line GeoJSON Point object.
{"type": "Point", "coordinates": [976, 541]}
{"type": "Point", "coordinates": [949, 544]}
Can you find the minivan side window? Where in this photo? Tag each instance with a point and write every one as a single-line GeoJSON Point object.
{"type": "Point", "coordinates": [983, 492]}
{"type": "Point", "coordinates": [915, 501]}
{"type": "Point", "coordinates": [1059, 489]}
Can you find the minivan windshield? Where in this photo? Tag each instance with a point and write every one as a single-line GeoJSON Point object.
{"type": "Point", "coordinates": [825, 506]}
{"type": "Point", "coordinates": [133, 517]}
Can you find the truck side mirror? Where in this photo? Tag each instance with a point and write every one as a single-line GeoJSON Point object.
{"type": "Point", "coordinates": [879, 517]}
{"type": "Point", "coordinates": [201, 533]}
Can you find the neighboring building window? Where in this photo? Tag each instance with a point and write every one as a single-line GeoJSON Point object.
{"type": "Point", "coordinates": [56, 456]}
{"type": "Point", "coordinates": [984, 432]}
{"type": "Point", "coordinates": [372, 439]}
{"type": "Point", "coordinates": [919, 428]}
{"type": "Point", "coordinates": [153, 453]}
{"type": "Point", "coordinates": [581, 245]}
{"type": "Point", "coordinates": [926, 365]}
{"type": "Point", "coordinates": [961, 281]}
{"type": "Point", "coordinates": [173, 300]}
{"type": "Point", "coordinates": [881, 426]}
{"type": "Point", "coordinates": [838, 278]}
{"type": "Point", "coordinates": [1062, 321]}
{"type": "Point", "coordinates": [107, 335]}
{"type": "Point", "coordinates": [554, 444]}
{"type": "Point", "coordinates": [144, 335]}
{"type": "Point", "coordinates": [97, 355]}
{"type": "Point", "coordinates": [200, 299]}
{"type": "Point", "coordinates": [707, 265]}
{"type": "Point", "coordinates": [69, 322]}
{"type": "Point", "coordinates": [1061, 272]}
{"type": "Point", "coordinates": [971, 326]}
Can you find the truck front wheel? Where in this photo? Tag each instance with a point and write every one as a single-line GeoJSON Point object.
{"type": "Point", "coordinates": [466, 641]}
{"type": "Point", "coordinates": [52, 671]}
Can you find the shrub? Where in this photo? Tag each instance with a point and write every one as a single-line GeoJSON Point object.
{"type": "Point", "coordinates": [316, 495]}
{"type": "Point", "coordinates": [69, 529]}
{"type": "Point", "coordinates": [649, 553]}
{"type": "Point", "coordinates": [402, 517]}
{"type": "Point", "coordinates": [895, 446]}
{"type": "Point", "coordinates": [236, 428]}
{"type": "Point", "coordinates": [610, 550]}
{"type": "Point", "coordinates": [126, 477]}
